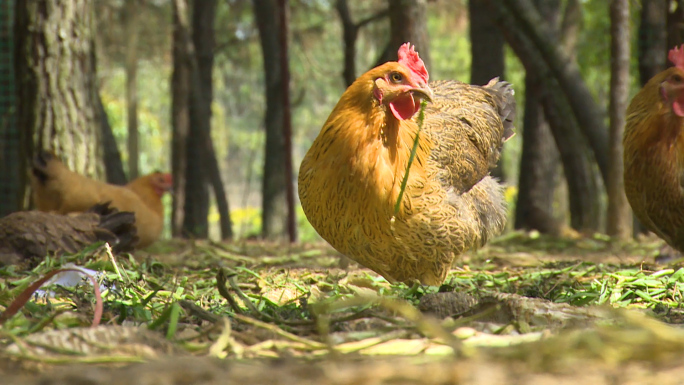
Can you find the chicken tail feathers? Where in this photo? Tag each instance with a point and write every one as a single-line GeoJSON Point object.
{"type": "Point", "coordinates": [116, 227]}
{"type": "Point", "coordinates": [506, 107]}
{"type": "Point", "coordinates": [40, 165]}
{"type": "Point", "coordinates": [487, 197]}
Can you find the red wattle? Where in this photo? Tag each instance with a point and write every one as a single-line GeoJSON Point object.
{"type": "Point", "coordinates": [678, 106]}
{"type": "Point", "coordinates": [678, 109]}
{"type": "Point", "coordinates": [404, 107]}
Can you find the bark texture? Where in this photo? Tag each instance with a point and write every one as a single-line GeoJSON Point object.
{"type": "Point", "coordinates": [112, 157]}
{"type": "Point", "coordinates": [131, 65]}
{"type": "Point", "coordinates": [202, 167]}
{"type": "Point", "coordinates": [652, 39]}
{"type": "Point", "coordinates": [408, 23]}
{"type": "Point", "coordinates": [180, 121]}
{"type": "Point", "coordinates": [527, 20]}
{"type": "Point", "coordinates": [576, 156]}
{"type": "Point", "coordinates": [619, 212]}
{"type": "Point", "coordinates": [274, 187]}
{"type": "Point", "coordinates": [540, 161]}
{"type": "Point", "coordinates": [57, 89]}
{"type": "Point", "coordinates": [350, 32]}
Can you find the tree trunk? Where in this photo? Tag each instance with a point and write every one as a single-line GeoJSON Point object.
{"type": "Point", "coordinates": [11, 171]}
{"type": "Point", "coordinates": [487, 52]}
{"type": "Point", "coordinates": [652, 52]}
{"type": "Point", "coordinates": [538, 176]}
{"type": "Point", "coordinates": [202, 165]}
{"type": "Point", "coordinates": [408, 23]}
{"type": "Point", "coordinates": [131, 65]}
{"type": "Point", "coordinates": [57, 85]}
{"type": "Point", "coordinates": [565, 71]}
{"type": "Point", "coordinates": [287, 121]}
{"type": "Point", "coordinates": [619, 214]}
{"type": "Point", "coordinates": [180, 121]}
{"type": "Point", "coordinates": [539, 163]}
{"type": "Point", "coordinates": [274, 188]}
{"type": "Point", "coordinates": [112, 157]}
{"type": "Point", "coordinates": [652, 39]}
{"type": "Point", "coordinates": [574, 152]}
{"type": "Point", "coordinates": [675, 24]}
{"type": "Point", "coordinates": [195, 221]}
{"type": "Point", "coordinates": [349, 34]}
{"type": "Point", "coordinates": [350, 31]}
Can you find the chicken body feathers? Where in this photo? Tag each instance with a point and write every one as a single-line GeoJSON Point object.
{"type": "Point", "coordinates": [654, 162]}
{"type": "Point", "coordinates": [350, 179]}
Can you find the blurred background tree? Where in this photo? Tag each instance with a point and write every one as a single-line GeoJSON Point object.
{"type": "Point", "coordinates": [56, 86]}
{"type": "Point", "coordinates": [209, 101]}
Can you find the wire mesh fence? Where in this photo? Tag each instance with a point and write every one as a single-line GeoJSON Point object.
{"type": "Point", "coordinates": [9, 132]}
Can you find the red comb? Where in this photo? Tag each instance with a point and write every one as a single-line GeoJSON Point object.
{"type": "Point", "coordinates": [409, 57]}
{"type": "Point", "coordinates": [676, 56]}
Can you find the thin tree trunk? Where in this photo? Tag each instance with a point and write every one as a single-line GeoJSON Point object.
{"type": "Point", "coordinates": [112, 157]}
{"type": "Point", "coordinates": [195, 221]}
{"type": "Point", "coordinates": [131, 66]}
{"type": "Point", "coordinates": [113, 166]}
{"type": "Point", "coordinates": [350, 32]}
{"type": "Point", "coordinates": [180, 121]}
{"type": "Point", "coordinates": [675, 24]}
{"type": "Point", "coordinates": [487, 52]}
{"type": "Point", "coordinates": [540, 162]}
{"type": "Point", "coordinates": [408, 23]}
{"type": "Point", "coordinates": [538, 177]}
{"type": "Point", "coordinates": [619, 214]}
{"type": "Point", "coordinates": [200, 150]}
{"type": "Point", "coordinates": [652, 39]}
{"type": "Point", "coordinates": [652, 53]}
{"type": "Point", "coordinates": [287, 121]}
{"type": "Point", "coordinates": [582, 180]}
{"type": "Point", "coordinates": [565, 70]}
{"type": "Point", "coordinates": [570, 28]}
{"type": "Point", "coordinates": [349, 35]}
{"type": "Point", "coordinates": [574, 152]}
{"type": "Point", "coordinates": [274, 187]}
{"type": "Point", "coordinates": [56, 82]}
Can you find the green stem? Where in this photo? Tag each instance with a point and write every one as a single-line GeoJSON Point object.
{"type": "Point", "coordinates": [421, 118]}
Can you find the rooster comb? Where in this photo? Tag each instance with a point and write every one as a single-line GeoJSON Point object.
{"type": "Point", "coordinates": [676, 56]}
{"type": "Point", "coordinates": [410, 58]}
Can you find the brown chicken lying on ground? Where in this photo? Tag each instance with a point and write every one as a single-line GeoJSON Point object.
{"type": "Point", "coordinates": [350, 179]}
{"type": "Point", "coordinates": [29, 236]}
{"type": "Point", "coordinates": [57, 189]}
{"type": "Point", "coordinates": [654, 153]}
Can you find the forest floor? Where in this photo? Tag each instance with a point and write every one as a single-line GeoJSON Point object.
{"type": "Point", "coordinates": [526, 309]}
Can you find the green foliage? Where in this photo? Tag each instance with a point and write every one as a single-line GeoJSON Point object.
{"type": "Point", "coordinates": [153, 113]}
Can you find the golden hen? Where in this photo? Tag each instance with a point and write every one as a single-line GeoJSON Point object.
{"type": "Point", "coordinates": [654, 153]}
{"type": "Point", "coordinates": [58, 189]}
{"type": "Point", "coordinates": [350, 179]}
{"type": "Point", "coordinates": [26, 237]}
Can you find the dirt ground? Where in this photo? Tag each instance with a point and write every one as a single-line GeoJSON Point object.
{"type": "Point", "coordinates": [524, 310]}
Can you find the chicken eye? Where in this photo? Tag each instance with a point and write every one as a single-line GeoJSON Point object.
{"type": "Point", "coordinates": [396, 77]}
{"type": "Point", "coordinates": [676, 78]}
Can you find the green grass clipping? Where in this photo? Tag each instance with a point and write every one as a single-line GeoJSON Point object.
{"type": "Point", "coordinates": [421, 118]}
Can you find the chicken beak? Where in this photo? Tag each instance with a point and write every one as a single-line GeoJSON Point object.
{"type": "Point", "coordinates": [424, 92]}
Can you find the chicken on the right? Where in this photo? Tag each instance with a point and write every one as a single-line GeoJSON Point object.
{"type": "Point", "coordinates": [654, 153]}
